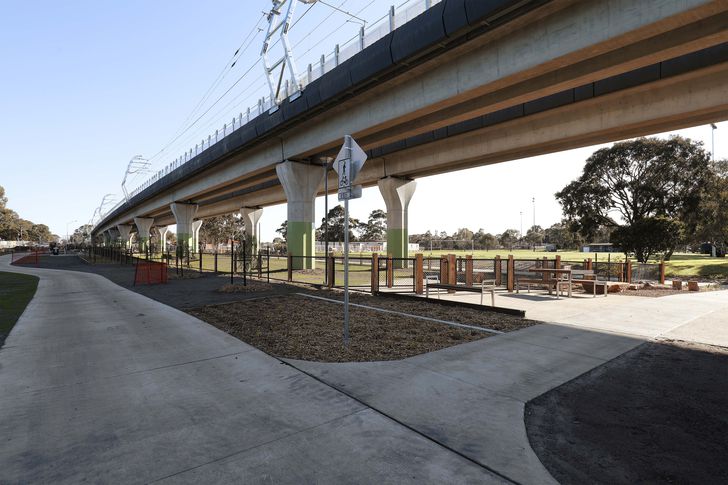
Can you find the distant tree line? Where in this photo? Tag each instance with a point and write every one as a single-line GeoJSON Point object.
{"type": "Point", "coordinates": [15, 228]}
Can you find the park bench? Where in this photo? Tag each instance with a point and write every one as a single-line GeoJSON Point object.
{"type": "Point", "coordinates": [548, 283]}
{"type": "Point", "coordinates": [587, 278]}
{"type": "Point", "coordinates": [485, 286]}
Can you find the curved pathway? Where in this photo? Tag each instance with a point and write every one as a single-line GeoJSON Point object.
{"type": "Point", "coordinates": [100, 384]}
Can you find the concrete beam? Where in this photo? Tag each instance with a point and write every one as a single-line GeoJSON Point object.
{"type": "Point", "coordinates": [301, 183]}
{"type": "Point", "coordinates": [397, 194]}
{"type": "Point", "coordinates": [682, 101]}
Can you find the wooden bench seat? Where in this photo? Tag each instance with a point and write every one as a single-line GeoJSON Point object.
{"type": "Point", "coordinates": [486, 285]}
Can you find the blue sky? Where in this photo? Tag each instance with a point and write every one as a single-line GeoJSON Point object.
{"type": "Point", "coordinates": [86, 85]}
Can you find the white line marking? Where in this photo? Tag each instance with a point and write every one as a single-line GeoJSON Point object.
{"type": "Point", "coordinates": [454, 324]}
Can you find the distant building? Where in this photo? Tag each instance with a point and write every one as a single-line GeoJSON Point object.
{"type": "Point", "coordinates": [600, 248]}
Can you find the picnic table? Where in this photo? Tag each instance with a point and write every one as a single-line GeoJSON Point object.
{"type": "Point", "coordinates": [552, 278]}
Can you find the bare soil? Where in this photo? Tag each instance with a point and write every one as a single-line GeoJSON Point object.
{"type": "Point", "coordinates": [656, 414]}
{"type": "Point", "coordinates": [297, 327]}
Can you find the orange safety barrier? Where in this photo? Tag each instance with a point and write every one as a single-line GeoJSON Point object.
{"type": "Point", "coordinates": [25, 258]}
{"type": "Point", "coordinates": [150, 272]}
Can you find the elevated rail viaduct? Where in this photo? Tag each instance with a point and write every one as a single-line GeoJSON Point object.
{"type": "Point", "coordinates": [465, 84]}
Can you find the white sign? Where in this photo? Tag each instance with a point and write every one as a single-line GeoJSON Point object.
{"type": "Point", "coordinates": [348, 164]}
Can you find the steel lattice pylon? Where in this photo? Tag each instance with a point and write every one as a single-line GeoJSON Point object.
{"type": "Point", "coordinates": [279, 23]}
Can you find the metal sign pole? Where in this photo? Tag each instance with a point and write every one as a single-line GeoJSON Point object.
{"type": "Point", "coordinates": [348, 163]}
{"type": "Point", "coordinates": [346, 272]}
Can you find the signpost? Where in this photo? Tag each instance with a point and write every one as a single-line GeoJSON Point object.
{"type": "Point", "coordinates": [347, 164]}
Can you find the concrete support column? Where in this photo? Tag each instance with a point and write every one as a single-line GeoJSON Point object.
{"type": "Point", "coordinates": [300, 183]}
{"type": "Point", "coordinates": [107, 238]}
{"type": "Point", "coordinates": [113, 236]}
{"type": "Point", "coordinates": [144, 230]}
{"type": "Point", "coordinates": [184, 215]}
{"type": "Point", "coordinates": [163, 231]}
{"type": "Point", "coordinates": [124, 233]}
{"type": "Point", "coordinates": [196, 225]}
{"type": "Point", "coordinates": [251, 216]}
{"type": "Point", "coordinates": [397, 194]}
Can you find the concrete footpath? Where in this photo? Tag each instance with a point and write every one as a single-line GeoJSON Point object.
{"type": "Point", "coordinates": [472, 397]}
{"type": "Point", "coordinates": [99, 384]}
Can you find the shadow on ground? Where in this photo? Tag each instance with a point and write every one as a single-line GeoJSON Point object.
{"type": "Point", "coordinates": [656, 414]}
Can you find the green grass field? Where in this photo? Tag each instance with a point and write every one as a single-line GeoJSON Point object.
{"type": "Point", "coordinates": [16, 291]}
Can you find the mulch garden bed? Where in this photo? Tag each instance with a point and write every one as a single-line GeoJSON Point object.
{"type": "Point", "coordinates": [297, 327]}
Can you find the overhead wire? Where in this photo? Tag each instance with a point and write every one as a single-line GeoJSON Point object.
{"type": "Point", "coordinates": [231, 63]}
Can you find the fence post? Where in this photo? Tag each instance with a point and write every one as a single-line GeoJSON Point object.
{"type": "Point", "coordinates": [201, 254]}
{"type": "Point", "coordinates": [557, 262]}
{"type": "Point", "coordinates": [419, 274]}
{"type": "Point", "coordinates": [390, 272]}
{"type": "Point", "coordinates": [331, 268]}
{"type": "Point", "coordinates": [290, 267]}
{"type": "Point", "coordinates": [511, 274]}
{"type": "Point", "coordinates": [629, 271]}
{"type": "Point", "coordinates": [375, 273]}
{"type": "Point", "coordinates": [469, 270]}
{"type": "Point", "coordinates": [498, 267]}
{"type": "Point", "coordinates": [215, 260]}
{"type": "Point", "coordinates": [662, 272]}
{"type": "Point", "coordinates": [443, 270]}
{"type": "Point", "coordinates": [452, 276]}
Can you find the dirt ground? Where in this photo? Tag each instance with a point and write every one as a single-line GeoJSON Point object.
{"type": "Point", "coordinates": [656, 414]}
{"type": "Point", "coordinates": [297, 327]}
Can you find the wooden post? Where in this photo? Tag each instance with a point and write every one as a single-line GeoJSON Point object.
{"type": "Point", "coordinates": [589, 264]}
{"type": "Point", "coordinates": [498, 271]}
{"type": "Point", "coordinates": [419, 274]}
{"type": "Point", "coordinates": [629, 271]}
{"type": "Point", "coordinates": [290, 267]}
{"type": "Point", "coordinates": [390, 272]}
{"type": "Point", "coordinates": [443, 270]}
{"type": "Point", "coordinates": [557, 263]}
{"type": "Point", "coordinates": [662, 272]}
{"type": "Point", "coordinates": [331, 277]}
{"type": "Point", "coordinates": [469, 270]}
{"type": "Point", "coordinates": [510, 285]}
{"type": "Point", "coordinates": [375, 273]}
{"type": "Point", "coordinates": [452, 276]}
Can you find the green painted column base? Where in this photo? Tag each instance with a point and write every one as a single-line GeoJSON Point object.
{"type": "Point", "coordinates": [143, 244]}
{"type": "Point", "coordinates": [398, 247]}
{"type": "Point", "coordinates": [301, 243]}
{"type": "Point", "coordinates": [184, 242]}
